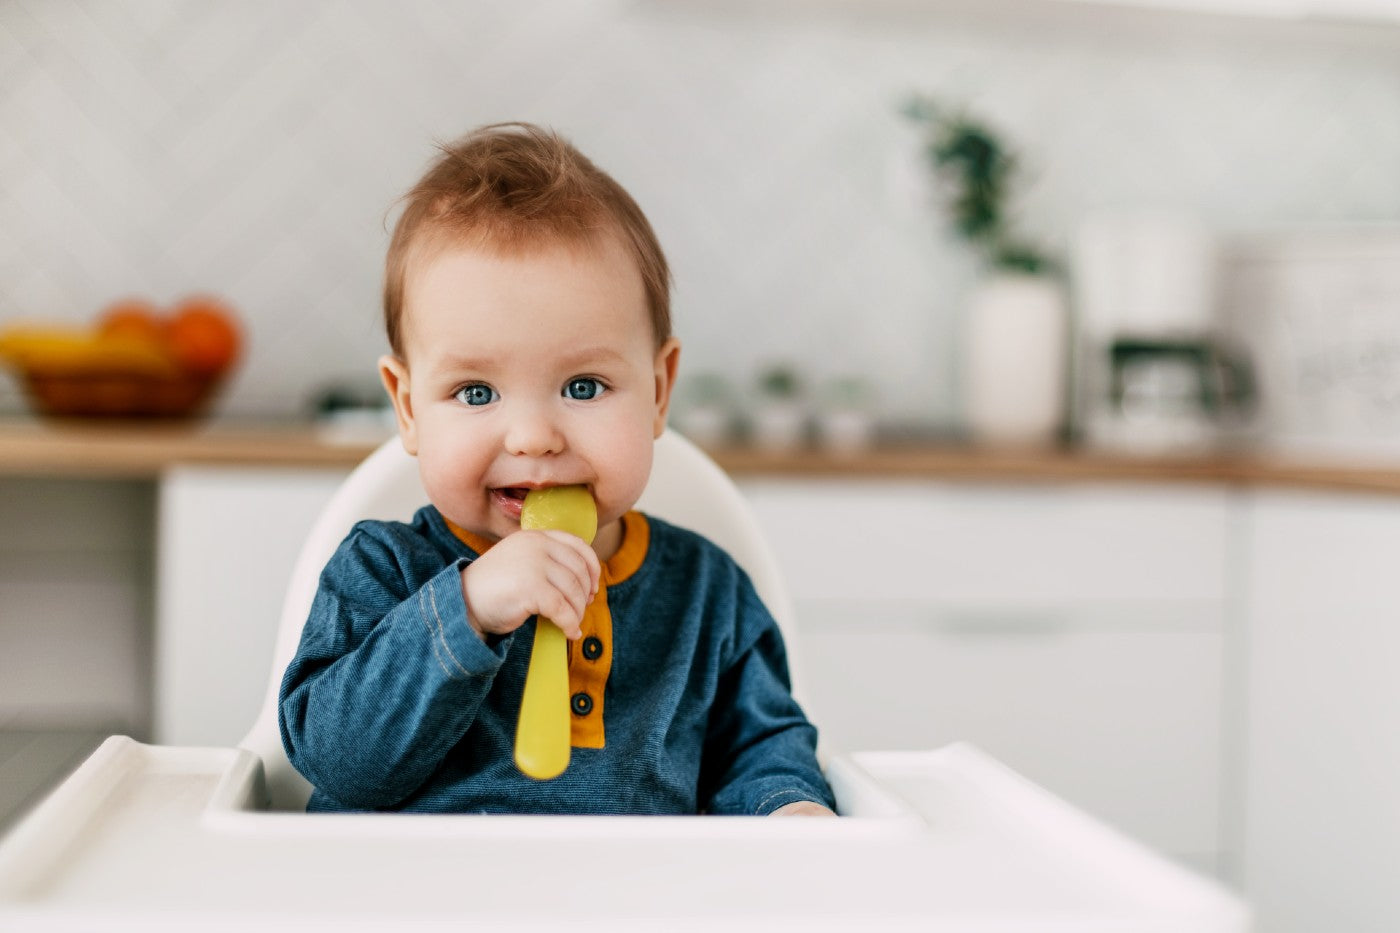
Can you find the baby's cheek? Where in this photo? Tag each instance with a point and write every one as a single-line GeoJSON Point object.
{"type": "Point", "coordinates": [451, 486]}
{"type": "Point", "coordinates": [619, 494]}
{"type": "Point", "coordinates": [435, 479]}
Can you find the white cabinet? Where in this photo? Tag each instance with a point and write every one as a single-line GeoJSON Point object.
{"type": "Point", "coordinates": [1322, 756]}
{"type": "Point", "coordinates": [74, 603]}
{"type": "Point", "coordinates": [226, 543]}
{"type": "Point", "coordinates": [1075, 632]}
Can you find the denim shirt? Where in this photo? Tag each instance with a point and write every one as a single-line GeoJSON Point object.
{"type": "Point", "coordinates": [393, 702]}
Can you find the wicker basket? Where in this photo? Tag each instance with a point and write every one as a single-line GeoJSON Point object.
{"type": "Point", "coordinates": [118, 395]}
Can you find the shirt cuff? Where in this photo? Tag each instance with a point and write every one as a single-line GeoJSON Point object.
{"type": "Point", "coordinates": [781, 798]}
{"type": "Point", "coordinates": [460, 651]}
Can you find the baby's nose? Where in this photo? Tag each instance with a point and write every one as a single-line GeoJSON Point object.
{"type": "Point", "coordinates": [533, 433]}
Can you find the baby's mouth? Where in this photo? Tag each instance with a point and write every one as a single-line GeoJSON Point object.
{"type": "Point", "coordinates": [510, 500]}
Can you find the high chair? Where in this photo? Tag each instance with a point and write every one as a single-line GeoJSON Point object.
{"type": "Point", "coordinates": [145, 837]}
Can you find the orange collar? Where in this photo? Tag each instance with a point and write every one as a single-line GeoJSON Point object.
{"type": "Point", "coordinates": [636, 538]}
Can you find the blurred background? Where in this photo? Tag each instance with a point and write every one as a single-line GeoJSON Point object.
{"type": "Point", "coordinates": [1192, 272]}
{"type": "Point", "coordinates": [256, 150]}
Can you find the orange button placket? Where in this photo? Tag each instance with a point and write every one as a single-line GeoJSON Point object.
{"type": "Point", "coordinates": [591, 676]}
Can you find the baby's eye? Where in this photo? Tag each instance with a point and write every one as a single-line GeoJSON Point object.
{"type": "Point", "coordinates": [478, 393]}
{"type": "Point", "coordinates": [583, 389]}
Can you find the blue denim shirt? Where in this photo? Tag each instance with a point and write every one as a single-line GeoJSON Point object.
{"type": "Point", "coordinates": [393, 702]}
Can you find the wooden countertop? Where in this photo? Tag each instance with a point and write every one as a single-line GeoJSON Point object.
{"type": "Point", "coordinates": [1063, 465]}
{"type": "Point", "coordinates": [141, 449]}
{"type": "Point", "coordinates": [32, 448]}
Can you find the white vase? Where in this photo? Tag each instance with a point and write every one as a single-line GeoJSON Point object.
{"type": "Point", "coordinates": [846, 431]}
{"type": "Point", "coordinates": [778, 425]}
{"type": "Point", "coordinates": [1017, 345]}
{"type": "Point", "coordinates": [707, 425]}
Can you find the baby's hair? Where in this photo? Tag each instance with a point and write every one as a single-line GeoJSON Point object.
{"type": "Point", "coordinates": [511, 187]}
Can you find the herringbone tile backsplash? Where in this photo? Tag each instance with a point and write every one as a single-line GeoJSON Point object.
{"type": "Point", "coordinates": [254, 149]}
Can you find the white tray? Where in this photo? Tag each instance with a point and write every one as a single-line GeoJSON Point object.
{"type": "Point", "coordinates": [149, 837]}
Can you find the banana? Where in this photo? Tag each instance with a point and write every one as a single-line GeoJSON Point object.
{"type": "Point", "coordinates": [50, 350]}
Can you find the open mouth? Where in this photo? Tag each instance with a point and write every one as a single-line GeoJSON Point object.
{"type": "Point", "coordinates": [511, 499]}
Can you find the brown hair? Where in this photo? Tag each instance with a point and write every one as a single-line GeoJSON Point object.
{"type": "Point", "coordinates": [511, 186]}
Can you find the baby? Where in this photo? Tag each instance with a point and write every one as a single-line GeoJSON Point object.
{"type": "Point", "coordinates": [527, 308]}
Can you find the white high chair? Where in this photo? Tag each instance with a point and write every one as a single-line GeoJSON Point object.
{"type": "Point", "coordinates": [161, 837]}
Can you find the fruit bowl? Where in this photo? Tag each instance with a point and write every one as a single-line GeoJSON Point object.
{"type": "Point", "coordinates": [135, 362]}
{"type": "Point", "coordinates": [117, 395]}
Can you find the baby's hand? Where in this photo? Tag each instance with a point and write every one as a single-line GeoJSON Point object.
{"type": "Point", "coordinates": [549, 573]}
{"type": "Point", "coordinates": [802, 808]}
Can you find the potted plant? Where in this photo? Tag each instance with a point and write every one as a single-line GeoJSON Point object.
{"type": "Point", "coordinates": [704, 409]}
{"type": "Point", "coordinates": [845, 419]}
{"type": "Point", "coordinates": [779, 414]}
{"type": "Point", "coordinates": [1017, 341]}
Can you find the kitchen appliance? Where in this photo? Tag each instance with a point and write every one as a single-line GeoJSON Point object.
{"type": "Point", "coordinates": [1153, 370]}
{"type": "Point", "coordinates": [1319, 309]}
{"type": "Point", "coordinates": [1175, 393]}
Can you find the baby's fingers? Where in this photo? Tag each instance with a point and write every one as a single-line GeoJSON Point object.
{"type": "Point", "coordinates": [567, 597]}
{"type": "Point", "coordinates": [564, 612]}
{"type": "Point", "coordinates": [588, 559]}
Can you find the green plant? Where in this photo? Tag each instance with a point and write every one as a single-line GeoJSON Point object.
{"type": "Point", "coordinates": [780, 381]}
{"type": "Point", "coordinates": [975, 164]}
{"type": "Point", "coordinates": [848, 392]}
{"type": "Point", "coordinates": [706, 388]}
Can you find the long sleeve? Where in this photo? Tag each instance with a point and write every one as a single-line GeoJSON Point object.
{"type": "Point", "coordinates": [389, 675]}
{"type": "Point", "coordinates": [760, 749]}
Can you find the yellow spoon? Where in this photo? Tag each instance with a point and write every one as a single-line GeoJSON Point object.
{"type": "Point", "coordinates": [542, 734]}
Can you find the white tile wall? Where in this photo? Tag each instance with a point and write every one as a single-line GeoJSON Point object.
{"type": "Point", "coordinates": [253, 149]}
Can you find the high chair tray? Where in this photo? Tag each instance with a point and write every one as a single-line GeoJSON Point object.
{"type": "Point", "coordinates": [148, 837]}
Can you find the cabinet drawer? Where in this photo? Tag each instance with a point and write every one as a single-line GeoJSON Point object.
{"type": "Point", "coordinates": [1012, 545]}
{"type": "Point", "coordinates": [1125, 725]}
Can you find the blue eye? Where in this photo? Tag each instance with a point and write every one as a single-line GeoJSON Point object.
{"type": "Point", "coordinates": [583, 389]}
{"type": "Point", "coordinates": [476, 394]}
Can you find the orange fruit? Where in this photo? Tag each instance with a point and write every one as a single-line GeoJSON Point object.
{"type": "Point", "coordinates": [133, 318]}
{"type": "Point", "coordinates": [203, 335]}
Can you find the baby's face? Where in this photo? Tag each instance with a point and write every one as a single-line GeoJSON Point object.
{"type": "Point", "coordinates": [530, 370]}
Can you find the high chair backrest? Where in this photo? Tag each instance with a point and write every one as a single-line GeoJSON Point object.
{"type": "Point", "coordinates": [686, 488]}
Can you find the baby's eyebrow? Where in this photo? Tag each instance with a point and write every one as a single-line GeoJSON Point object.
{"type": "Point", "coordinates": [584, 355]}
{"type": "Point", "coordinates": [457, 362]}
{"type": "Point", "coordinates": [574, 358]}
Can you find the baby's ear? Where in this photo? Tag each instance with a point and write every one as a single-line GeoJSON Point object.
{"type": "Point", "coordinates": [394, 373]}
{"type": "Point", "coordinates": [667, 361]}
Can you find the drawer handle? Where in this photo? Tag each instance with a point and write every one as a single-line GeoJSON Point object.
{"type": "Point", "coordinates": [1002, 623]}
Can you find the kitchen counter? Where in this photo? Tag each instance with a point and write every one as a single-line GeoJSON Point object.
{"type": "Point", "coordinates": [137, 450]}
{"type": "Point", "coordinates": [134, 451]}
